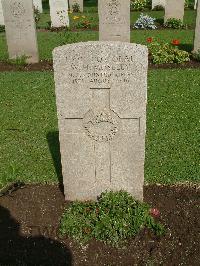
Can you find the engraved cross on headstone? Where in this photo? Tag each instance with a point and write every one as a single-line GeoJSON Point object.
{"type": "Point", "coordinates": [102, 125]}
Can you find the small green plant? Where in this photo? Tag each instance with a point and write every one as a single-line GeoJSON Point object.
{"type": "Point", "coordinates": [139, 5]}
{"type": "Point", "coordinates": [36, 15]}
{"type": "Point", "coordinates": [163, 53]}
{"type": "Point", "coordinates": [115, 217]}
{"type": "Point", "coordinates": [76, 8]}
{"type": "Point", "coordinates": [196, 55]}
{"type": "Point", "coordinates": [18, 61]}
{"type": "Point", "coordinates": [174, 23]}
{"type": "Point", "coordinates": [2, 28]}
{"type": "Point", "coordinates": [158, 8]}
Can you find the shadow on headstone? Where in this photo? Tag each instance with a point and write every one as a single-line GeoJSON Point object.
{"type": "Point", "coordinates": [16, 249]}
{"type": "Point", "coordinates": [54, 147]}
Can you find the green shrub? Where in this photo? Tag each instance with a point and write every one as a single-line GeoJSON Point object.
{"type": "Point", "coordinates": [139, 5]}
{"type": "Point", "coordinates": [2, 28]}
{"type": "Point", "coordinates": [163, 53]}
{"type": "Point", "coordinates": [115, 217]}
{"type": "Point", "coordinates": [158, 8]}
{"type": "Point", "coordinates": [174, 23]}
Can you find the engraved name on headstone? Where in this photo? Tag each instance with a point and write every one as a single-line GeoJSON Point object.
{"type": "Point", "coordinates": [59, 13]}
{"type": "Point", "coordinates": [20, 29]}
{"type": "Point", "coordinates": [101, 94]}
{"type": "Point", "coordinates": [114, 20]}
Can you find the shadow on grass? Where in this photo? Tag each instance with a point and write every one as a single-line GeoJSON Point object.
{"type": "Point", "coordinates": [186, 47]}
{"type": "Point", "coordinates": [54, 147]}
{"type": "Point", "coordinates": [16, 249]}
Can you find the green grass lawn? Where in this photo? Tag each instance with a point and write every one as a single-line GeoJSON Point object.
{"type": "Point", "coordinates": [47, 41]}
{"type": "Point", "coordinates": [29, 133]}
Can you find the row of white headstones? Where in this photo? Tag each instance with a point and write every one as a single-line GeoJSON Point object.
{"type": "Point", "coordinates": [57, 18]}
{"type": "Point", "coordinates": [114, 22]}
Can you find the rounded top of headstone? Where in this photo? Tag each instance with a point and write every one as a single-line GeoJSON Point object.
{"type": "Point", "coordinates": [102, 44]}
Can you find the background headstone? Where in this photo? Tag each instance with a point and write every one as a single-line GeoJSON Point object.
{"type": "Point", "coordinates": [114, 20]}
{"type": "Point", "coordinates": [101, 94]}
{"type": "Point", "coordinates": [38, 5]}
{"type": "Point", "coordinates": [158, 3]}
{"type": "Point", "coordinates": [1, 14]}
{"type": "Point", "coordinates": [174, 9]}
{"type": "Point", "coordinates": [59, 13]}
{"type": "Point", "coordinates": [197, 30]}
{"type": "Point", "coordinates": [79, 2]}
{"type": "Point", "coordinates": [195, 4]}
{"type": "Point", "coordinates": [20, 29]}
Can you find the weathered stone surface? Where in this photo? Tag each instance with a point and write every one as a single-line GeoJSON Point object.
{"type": "Point", "coordinates": [114, 20]}
{"type": "Point", "coordinates": [174, 9]}
{"type": "Point", "coordinates": [195, 4]}
{"type": "Point", "coordinates": [101, 91]}
{"type": "Point", "coordinates": [20, 29]}
{"type": "Point", "coordinates": [79, 2]}
{"type": "Point", "coordinates": [158, 3]}
{"type": "Point", "coordinates": [197, 30]}
{"type": "Point", "coordinates": [59, 13]}
{"type": "Point", "coordinates": [38, 5]}
{"type": "Point", "coordinates": [1, 14]}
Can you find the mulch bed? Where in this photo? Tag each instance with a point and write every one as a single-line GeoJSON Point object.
{"type": "Point", "coordinates": [29, 220]}
{"type": "Point", "coordinates": [48, 66]}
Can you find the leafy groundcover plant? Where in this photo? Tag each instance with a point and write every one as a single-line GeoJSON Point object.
{"type": "Point", "coordinates": [115, 217]}
{"type": "Point", "coordinates": [174, 23]}
{"type": "Point", "coordinates": [163, 53]}
{"type": "Point", "coordinates": [139, 5]}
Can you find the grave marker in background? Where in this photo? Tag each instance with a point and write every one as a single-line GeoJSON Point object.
{"type": "Point", "coordinates": [114, 20]}
{"type": "Point", "coordinates": [101, 94]}
{"type": "Point", "coordinates": [174, 9]}
{"type": "Point", "coordinates": [59, 13]}
{"type": "Point", "coordinates": [79, 2]}
{"type": "Point", "coordinates": [38, 5]}
{"type": "Point", "coordinates": [197, 30]}
{"type": "Point", "coordinates": [20, 29]}
{"type": "Point", "coordinates": [1, 14]}
{"type": "Point", "coordinates": [158, 3]}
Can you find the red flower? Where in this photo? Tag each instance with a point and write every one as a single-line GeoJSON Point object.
{"type": "Point", "coordinates": [175, 42]}
{"type": "Point", "coordinates": [150, 39]}
{"type": "Point", "coordinates": [154, 212]}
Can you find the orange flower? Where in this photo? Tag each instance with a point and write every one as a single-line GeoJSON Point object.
{"type": "Point", "coordinates": [150, 39]}
{"type": "Point", "coordinates": [175, 42]}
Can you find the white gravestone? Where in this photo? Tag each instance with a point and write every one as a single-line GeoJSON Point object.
{"type": "Point", "coordinates": [20, 29]}
{"type": "Point", "coordinates": [197, 30]}
{"type": "Point", "coordinates": [59, 13]}
{"type": "Point", "coordinates": [114, 20]}
{"type": "Point", "coordinates": [38, 5]}
{"type": "Point", "coordinates": [174, 9]}
{"type": "Point", "coordinates": [195, 4]}
{"type": "Point", "coordinates": [101, 93]}
{"type": "Point", "coordinates": [158, 3]}
{"type": "Point", "coordinates": [1, 14]}
{"type": "Point", "coordinates": [79, 2]}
